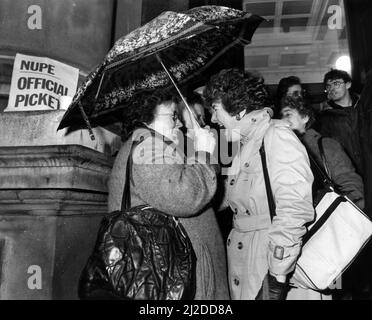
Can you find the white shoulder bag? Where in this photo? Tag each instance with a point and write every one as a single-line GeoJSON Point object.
{"type": "Point", "coordinates": [336, 237]}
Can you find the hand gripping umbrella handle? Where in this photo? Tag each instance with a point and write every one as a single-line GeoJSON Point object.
{"type": "Point", "coordinates": [196, 123]}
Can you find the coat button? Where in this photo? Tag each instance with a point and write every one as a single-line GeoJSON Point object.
{"type": "Point", "coordinates": [236, 281]}
{"type": "Point", "coordinates": [240, 245]}
{"type": "Point", "coordinates": [247, 212]}
{"type": "Point", "coordinates": [232, 182]}
{"type": "Point", "coordinates": [228, 241]}
{"type": "Point", "coordinates": [246, 164]}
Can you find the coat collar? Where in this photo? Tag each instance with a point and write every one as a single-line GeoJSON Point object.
{"type": "Point", "coordinates": [252, 130]}
{"type": "Point", "coordinates": [331, 105]}
{"type": "Point", "coordinates": [254, 125]}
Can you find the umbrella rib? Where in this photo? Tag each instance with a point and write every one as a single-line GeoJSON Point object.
{"type": "Point", "coordinates": [99, 86]}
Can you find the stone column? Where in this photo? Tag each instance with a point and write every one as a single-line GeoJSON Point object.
{"type": "Point", "coordinates": [53, 194]}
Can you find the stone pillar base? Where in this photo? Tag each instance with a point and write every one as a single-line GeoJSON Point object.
{"type": "Point", "coordinates": [52, 199]}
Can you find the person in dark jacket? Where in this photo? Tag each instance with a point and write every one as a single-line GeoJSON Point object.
{"type": "Point", "coordinates": [338, 117]}
{"type": "Point", "coordinates": [300, 117]}
{"type": "Point", "coordinates": [344, 117]}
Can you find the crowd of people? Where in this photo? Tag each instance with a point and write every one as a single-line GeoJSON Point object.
{"type": "Point", "coordinates": [258, 254]}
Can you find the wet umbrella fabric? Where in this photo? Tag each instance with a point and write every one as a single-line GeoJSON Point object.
{"type": "Point", "coordinates": [187, 43]}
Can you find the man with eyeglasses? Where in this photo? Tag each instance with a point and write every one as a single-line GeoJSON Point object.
{"type": "Point", "coordinates": [338, 117]}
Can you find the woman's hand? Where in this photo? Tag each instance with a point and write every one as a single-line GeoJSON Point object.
{"type": "Point", "coordinates": [204, 140]}
{"type": "Point", "coordinates": [272, 289]}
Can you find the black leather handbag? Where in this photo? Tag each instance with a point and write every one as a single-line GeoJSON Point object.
{"type": "Point", "coordinates": [140, 254]}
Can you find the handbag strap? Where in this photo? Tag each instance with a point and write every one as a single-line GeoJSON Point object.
{"type": "Point", "coordinates": [322, 170]}
{"type": "Point", "coordinates": [126, 199]}
{"type": "Point", "coordinates": [323, 157]}
{"type": "Point", "coordinates": [269, 193]}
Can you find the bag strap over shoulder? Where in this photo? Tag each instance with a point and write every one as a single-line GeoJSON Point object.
{"type": "Point", "coordinates": [269, 193]}
{"type": "Point", "coordinates": [322, 155]}
{"type": "Point", "coordinates": [321, 169]}
{"type": "Point", "coordinates": [323, 172]}
{"type": "Point", "coordinates": [126, 200]}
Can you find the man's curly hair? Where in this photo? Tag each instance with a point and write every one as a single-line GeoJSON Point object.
{"type": "Point", "coordinates": [335, 74]}
{"type": "Point", "coordinates": [142, 109]}
{"type": "Point", "coordinates": [238, 91]}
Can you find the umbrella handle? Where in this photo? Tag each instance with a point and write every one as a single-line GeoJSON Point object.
{"type": "Point", "coordinates": [86, 120]}
{"type": "Point", "coordinates": [196, 123]}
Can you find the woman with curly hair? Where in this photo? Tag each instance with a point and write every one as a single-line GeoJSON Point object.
{"type": "Point", "coordinates": [261, 253]}
{"type": "Point", "coordinates": [161, 178]}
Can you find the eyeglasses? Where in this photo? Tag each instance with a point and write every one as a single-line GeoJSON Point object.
{"type": "Point", "coordinates": [297, 94]}
{"type": "Point", "coordinates": [335, 84]}
{"type": "Point", "coordinates": [174, 115]}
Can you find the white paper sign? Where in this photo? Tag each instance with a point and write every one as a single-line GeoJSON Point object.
{"type": "Point", "coordinates": [38, 83]}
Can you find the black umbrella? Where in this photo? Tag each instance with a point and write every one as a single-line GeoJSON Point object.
{"type": "Point", "coordinates": [170, 50]}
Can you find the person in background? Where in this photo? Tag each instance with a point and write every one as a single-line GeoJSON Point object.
{"type": "Point", "coordinates": [300, 117]}
{"type": "Point", "coordinates": [290, 86]}
{"type": "Point", "coordinates": [205, 225]}
{"type": "Point", "coordinates": [189, 121]}
{"type": "Point", "coordinates": [195, 101]}
{"type": "Point", "coordinates": [338, 117]}
{"type": "Point", "coordinates": [161, 178]}
{"type": "Point", "coordinates": [261, 253]}
{"type": "Point", "coordinates": [341, 118]}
